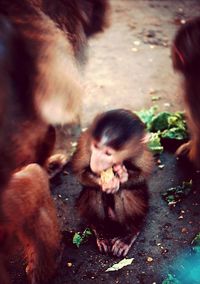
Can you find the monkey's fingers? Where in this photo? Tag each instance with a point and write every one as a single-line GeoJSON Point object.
{"type": "Point", "coordinates": [103, 245]}
{"type": "Point", "coordinates": [120, 248]}
{"type": "Point", "coordinates": [184, 149]}
{"type": "Point", "coordinates": [55, 164]}
{"type": "Point", "coordinates": [112, 186]}
{"type": "Point", "coordinates": [124, 177]}
{"type": "Point", "coordinates": [117, 167]}
{"type": "Point", "coordinates": [121, 172]}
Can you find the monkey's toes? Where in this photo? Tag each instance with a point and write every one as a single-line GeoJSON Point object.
{"type": "Point", "coordinates": [119, 247]}
{"type": "Point", "coordinates": [103, 245]}
{"type": "Point", "coordinates": [55, 164]}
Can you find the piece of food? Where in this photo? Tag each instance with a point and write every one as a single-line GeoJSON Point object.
{"type": "Point", "coordinates": [107, 175]}
{"type": "Point", "coordinates": [155, 144]}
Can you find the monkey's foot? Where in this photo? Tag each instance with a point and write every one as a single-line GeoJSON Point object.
{"type": "Point", "coordinates": [184, 149]}
{"type": "Point", "coordinates": [103, 245]}
{"type": "Point", "coordinates": [55, 164]}
{"type": "Point", "coordinates": [121, 246]}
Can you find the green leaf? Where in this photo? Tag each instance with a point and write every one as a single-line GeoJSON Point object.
{"type": "Point", "coordinates": [154, 143]}
{"type": "Point", "coordinates": [196, 243]}
{"type": "Point", "coordinates": [174, 133]}
{"type": "Point", "coordinates": [147, 115]}
{"type": "Point", "coordinates": [160, 121]}
{"type": "Point", "coordinates": [87, 232]}
{"type": "Point", "coordinates": [155, 98]}
{"type": "Point", "coordinates": [79, 238]}
{"type": "Point", "coordinates": [176, 194]}
{"type": "Point", "coordinates": [171, 280]}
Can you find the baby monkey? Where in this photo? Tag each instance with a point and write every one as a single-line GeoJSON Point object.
{"type": "Point", "coordinates": [112, 162]}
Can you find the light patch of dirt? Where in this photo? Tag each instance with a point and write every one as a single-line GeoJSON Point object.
{"type": "Point", "coordinates": [130, 62]}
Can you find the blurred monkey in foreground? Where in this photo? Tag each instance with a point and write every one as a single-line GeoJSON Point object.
{"type": "Point", "coordinates": [112, 162]}
{"type": "Point", "coordinates": [186, 60]}
{"type": "Point", "coordinates": [47, 41]}
{"type": "Point", "coordinates": [30, 221]}
{"type": "Point", "coordinates": [42, 43]}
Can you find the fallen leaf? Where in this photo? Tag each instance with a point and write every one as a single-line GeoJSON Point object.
{"type": "Point", "coordinates": [124, 262]}
{"type": "Point", "coordinates": [155, 98]}
{"type": "Point", "coordinates": [161, 166]}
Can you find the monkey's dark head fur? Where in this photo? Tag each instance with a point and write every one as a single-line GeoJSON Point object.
{"type": "Point", "coordinates": [115, 128]}
{"type": "Point", "coordinates": [186, 48]}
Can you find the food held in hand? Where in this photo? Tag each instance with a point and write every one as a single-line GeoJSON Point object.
{"type": "Point", "coordinates": [107, 175]}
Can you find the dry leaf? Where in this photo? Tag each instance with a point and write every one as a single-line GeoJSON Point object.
{"type": "Point", "coordinates": [121, 264]}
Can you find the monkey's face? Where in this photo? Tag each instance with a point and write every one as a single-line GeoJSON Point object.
{"type": "Point", "coordinates": [102, 157]}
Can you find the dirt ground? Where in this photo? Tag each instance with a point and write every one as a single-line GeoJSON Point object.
{"type": "Point", "coordinates": [128, 65]}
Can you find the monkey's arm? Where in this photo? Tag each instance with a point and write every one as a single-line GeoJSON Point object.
{"type": "Point", "coordinates": [88, 178]}
{"type": "Point", "coordinates": [139, 169]}
{"type": "Point", "coordinates": [81, 162]}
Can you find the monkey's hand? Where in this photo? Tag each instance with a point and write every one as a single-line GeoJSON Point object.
{"type": "Point", "coordinates": [122, 172]}
{"type": "Point", "coordinates": [184, 149]}
{"type": "Point", "coordinates": [111, 186]}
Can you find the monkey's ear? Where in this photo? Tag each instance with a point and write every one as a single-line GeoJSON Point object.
{"type": "Point", "coordinates": [145, 138]}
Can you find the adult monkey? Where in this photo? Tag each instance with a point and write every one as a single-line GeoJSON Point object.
{"type": "Point", "coordinates": [41, 43]}
{"type": "Point", "coordinates": [186, 60]}
{"type": "Point", "coordinates": [30, 221]}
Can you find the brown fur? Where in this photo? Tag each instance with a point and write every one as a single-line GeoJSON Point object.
{"type": "Point", "coordinates": [186, 60]}
{"type": "Point", "coordinates": [118, 215]}
{"type": "Point", "coordinates": [28, 196]}
{"type": "Point", "coordinates": [42, 43]}
{"type": "Point", "coordinates": [42, 38]}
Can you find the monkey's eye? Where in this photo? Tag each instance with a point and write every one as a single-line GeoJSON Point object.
{"type": "Point", "coordinates": [96, 145]}
{"type": "Point", "coordinates": [108, 153]}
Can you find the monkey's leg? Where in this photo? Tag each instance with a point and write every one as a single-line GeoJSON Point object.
{"type": "Point", "coordinates": [103, 243]}
{"type": "Point", "coordinates": [130, 210]}
{"type": "Point", "coordinates": [90, 205]}
{"type": "Point", "coordinates": [41, 245]}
